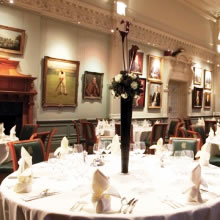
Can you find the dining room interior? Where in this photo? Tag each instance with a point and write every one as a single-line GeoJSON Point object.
{"type": "Point", "coordinates": [111, 106]}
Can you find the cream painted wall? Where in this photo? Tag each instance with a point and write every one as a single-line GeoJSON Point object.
{"type": "Point", "coordinates": [95, 51]}
{"type": "Point", "coordinates": [48, 37]}
{"type": "Point", "coordinates": [173, 17]}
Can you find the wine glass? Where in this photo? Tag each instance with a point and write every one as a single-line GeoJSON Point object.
{"type": "Point", "coordinates": [188, 154]}
{"type": "Point", "coordinates": [107, 148]}
{"type": "Point", "coordinates": [140, 147]}
{"type": "Point", "coordinates": [78, 148]}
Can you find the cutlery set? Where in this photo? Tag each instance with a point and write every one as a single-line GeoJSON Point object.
{"type": "Point", "coordinates": [127, 207]}
{"type": "Point", "coordinates": [173, 204]}
{"type": "Point", "coordinates": [43, 194]}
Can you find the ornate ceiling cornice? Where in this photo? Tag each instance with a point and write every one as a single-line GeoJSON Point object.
{"type": "Point", "coordinates": [75, 11]}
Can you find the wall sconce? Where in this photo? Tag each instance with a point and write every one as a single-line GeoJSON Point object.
{"type": "Point", "coordinates": [121, 8]}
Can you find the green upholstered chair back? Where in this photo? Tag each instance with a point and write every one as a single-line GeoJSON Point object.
{"type": "Point", "coordinates": [200, 129]}
{"type": "Point", "coordinates": [172, 128]}
{"type": "Point", "coordinates": [185, 144]}
{"type": "Point", "coordinates": [27, 130]}
{"type": "Point", "coordinates": [34, 147]}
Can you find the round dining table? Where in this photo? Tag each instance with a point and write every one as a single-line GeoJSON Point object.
{"type": "Point", "coordinates": [160, 191]}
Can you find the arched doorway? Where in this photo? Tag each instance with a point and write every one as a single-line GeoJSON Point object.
{"type": "Point", "coordinates": [177, 99]}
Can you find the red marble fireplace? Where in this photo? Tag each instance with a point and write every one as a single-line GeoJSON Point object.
{"type": "Point", "coordinates": [16, 94]}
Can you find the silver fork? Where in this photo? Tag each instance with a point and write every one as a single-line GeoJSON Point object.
{"type": "Point", "coordinates": [132, 206]}
{"type": "Point", "coordinates": [128, 205]}
{"type": "Point", "coordinates": [78, 206]}
{"type": "Point", "coordinates": [173, 204]}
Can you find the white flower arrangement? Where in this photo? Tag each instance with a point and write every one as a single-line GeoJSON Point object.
{"type": "Point", "coordinates": [126, 85]}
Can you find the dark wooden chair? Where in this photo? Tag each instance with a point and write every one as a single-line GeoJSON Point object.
{"type": "Point", "coordinates": [27, 130]}
{"type": "Point", "coordinates": [209, 124]}
{"type": "Point", "coordinates": [34, 147]}
{"type": "Point", "coordinates": [188, 123]}
{"type": "Point", "coordinates": [89, 135]}
{"type": "Point", "coordinates": [158, 131]}
{"type": "Point", "coordinates": [79, 136]}
{"type": "Point", "coordinates": [46, 137]}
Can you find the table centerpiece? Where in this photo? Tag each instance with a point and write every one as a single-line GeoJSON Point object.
{"type": "Point", "coordinates": [126, 86]}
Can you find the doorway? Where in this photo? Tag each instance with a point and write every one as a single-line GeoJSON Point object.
{"type": "Point", "coordinates": [177, 99]}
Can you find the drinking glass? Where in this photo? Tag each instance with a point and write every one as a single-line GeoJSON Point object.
{"type": "Point", "coordinates": [140, 147]}
{"type": "Point", "coordinates": [78, 148]}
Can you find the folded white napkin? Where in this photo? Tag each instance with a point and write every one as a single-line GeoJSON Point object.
{"type": "Point", "coordinates": [217, 133]}
{"type": "Point", "coordinates": [64, 148]}
{"type": "Point", "coordinates": [157, 122]}
{"type": "Point", "coordinates": [115, 146]}
{"type": "Point", "coordinates": [211, 134]}
{"type": "Point", "coordinates": [102, 192]}
{"type": "Point", "coordinates": [159, 147]}
{"type": "Point", "coordinates": [2, 129]}
{"type": "Point", "coordinates": [201, 121]}
{"type": "Point", "coordinates": [13, 132]}
{"type": "Point", "coordinates": [193, 193]}
{"type": "Point", "coordinates": [24, 173]}
{"type": "Point", "coordinates": [204, 155]}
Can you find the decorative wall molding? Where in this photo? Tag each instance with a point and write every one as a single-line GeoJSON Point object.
{"type": "Point", "coordinates": [92, 17]}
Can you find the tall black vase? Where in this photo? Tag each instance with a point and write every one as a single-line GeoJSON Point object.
{"type": "Point", "coordinates": [126, 116]}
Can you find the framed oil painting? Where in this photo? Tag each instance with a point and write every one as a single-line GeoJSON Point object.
{"type": "Point", "coordinates": [154, 70]}
{"type": "Point", "coordinates": [140, 102]}
{"type": "Point", "coordinates": [197, 76]}
{"type": "Point", "coordinates": [207, 79]}
{"type": "Point", "coordinates": [207, 100]}
{"type": "Point", "coordinates": [92, 85]}
{"type": "Point", "coordinates": [197, 97]}
{"type": "Point", "coordinates": [12, 40]}
{"type": "Point", "coordinates": [137, 66]}
{"type": "Point", "coordinates": [154, 95]}
{"type": "Point", "coordinates": [60, 82]}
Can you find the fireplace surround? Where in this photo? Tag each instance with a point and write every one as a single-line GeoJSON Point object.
{"type": "Point", "coordinates": [16, 94]}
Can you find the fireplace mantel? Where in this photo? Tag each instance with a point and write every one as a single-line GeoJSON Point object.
{"type": "Point", "coordinates": [17, 87]}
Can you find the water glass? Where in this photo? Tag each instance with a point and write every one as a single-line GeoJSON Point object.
{"type": "Point", "coordinates": [140, 147]}
{"type": "Point", "coordinates": [78, 148]}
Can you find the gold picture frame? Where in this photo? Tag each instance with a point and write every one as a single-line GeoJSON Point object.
{"type": "Point", "coordinates": [154, 68]}
{"type": "Point", "coordinates": [197, 75]}
{"type": "Point", "coordinates": [207, 100]}
{"type": "Point", "coordinates": [60, 80]}
{"type": "Point", "coordinates": [12, 40]}
{"type": "Point", "coordinates": [207, 79]}
{"type": "Point", "coordinates": [154, 95]}
{"type": "Point", "coordinates": [92, 85]}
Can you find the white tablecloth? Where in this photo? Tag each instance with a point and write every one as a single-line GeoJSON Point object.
{"type": "Point", "coordinates": [146, 181]}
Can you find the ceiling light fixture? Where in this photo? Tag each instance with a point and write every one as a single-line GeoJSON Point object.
{"type": "Point", "coordinates": [121, 8]}
{"type": "Point", "coordinates": [11, 1]}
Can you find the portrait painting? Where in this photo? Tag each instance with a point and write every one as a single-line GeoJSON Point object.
{"type": "Point", "coordinates": [197, 76]}
{"type": "Point", "coordinates": [140, 101]}
{"type": "Point", "coordinates": [137, 66]}
{"type": "Point", "coordinates": [154, 95]}
{"type": "Point", "coordinates": [92, 85]}
{"type": "Point", "coordinates": [154, 70]}
{"type": "Point", "coordinates": [197, 97]}
{"type": "Point", "coordinates": [60, 79]}
{"type": "Point", "coordinates": [207, 80]}
{"type": "Point", "coordinates": [12, 40]}
{"type": "Point", "coordinates": [207, 100]}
